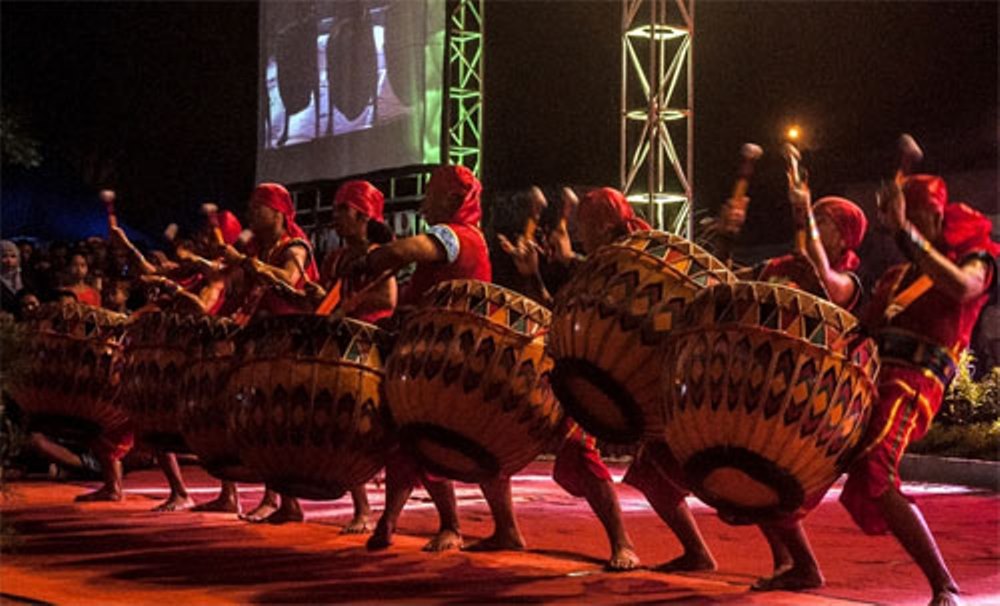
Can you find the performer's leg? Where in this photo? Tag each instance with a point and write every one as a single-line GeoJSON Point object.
{"type": "Point", "coordinates": [679, 518]}
{"type": "Point", "coordinates": [782, 560]}
{"type": "Point", "coordinates": [804, 572]}
{"type": "Point", "coordinates": [359, 524]}
{"type": "Point", "coordinates": [603, 499]}
{"type": "Point", "coordinates": [400, 479]}
{"type": "Point", "coordinates": [449, 535]}
{"type": "Point", "coordinates": [289, 511]}
{"type": "Point", "coordinates": [179, 499]}
{"type": "Point", "coordinates": [228, 500]}
{"type": "Point", "coordinates": [580, 472]}
{"type": "Point", "coordinates": [506, 533]}
{"type": "Point", "coordinates": [55, 452]}
{"type": "Point", "coordinates": [907, 524]}
{"type": "Point", "coordinates": [268, 505]}
{"type": "Point", "coordinates": [111, 470]}
{"type": "Point", "coordinates": [654, 472]}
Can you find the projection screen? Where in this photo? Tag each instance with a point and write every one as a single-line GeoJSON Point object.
{"type": "Point", "coordinates": [348, 87]}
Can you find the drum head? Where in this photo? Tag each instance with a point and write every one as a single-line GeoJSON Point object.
{"type": "Point", "coordinates": [595, 400]}
{"type": "Point", "coordinates": [743, 486]}
{"type": "Point", "coordinates": [448, 453]}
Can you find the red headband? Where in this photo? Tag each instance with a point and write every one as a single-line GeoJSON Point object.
{"type": "Point", "coordinates": [363, 197]}
{"type": "Point", "coordinates": [926, 191]}
{"type": "Point", "coordinates": [230, 227]}
{"type": "Point", "coordinates": [607, 206]}
{"type": "Point", "coordinates": [458, 182]}
{"type": "Point", "coordinates": [276, 197]}
{"type": "Point", "coordinates": [851, 224]}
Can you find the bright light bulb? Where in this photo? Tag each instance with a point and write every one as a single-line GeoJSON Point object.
{"type": "Point", "coordinates": [794, 133]}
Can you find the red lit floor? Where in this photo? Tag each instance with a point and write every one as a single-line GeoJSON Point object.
{"type": "Point", "coordinates": [121, 553]}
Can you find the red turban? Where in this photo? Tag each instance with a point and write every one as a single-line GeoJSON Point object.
{"type": "Point", "coordinates": [964, 230]}
{"type": "Point", "coordinates": [458, 182]}
{"type": "Point", "coordinates": [230, 227]}
{"type": "Point", "coordinates": [851, 224]}
{"type": "Point", "coordinates": [276, 197]}
{"type": "Point", "coordinates": [926, 191]}
{"type": "Point", "coordinates": [607, 206]}
{"type": "Point", "coordinates": [363, 197]}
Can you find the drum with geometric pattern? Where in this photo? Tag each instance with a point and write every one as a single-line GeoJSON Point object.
{"type": "Point", "coordinates": [308, 413]}
{"type": "Point", "coordinates": [156, 358]}
{"type": "Point", "coordinates": [73, 377]}
{"type": "Point", "coordinates": [607, 326]}
{"type": "Point", "coordinates": [206, 398]}
{"type": "Point", "coordinates": [767, 393]}
{"type": "Point", "coordinates": [468, 382]}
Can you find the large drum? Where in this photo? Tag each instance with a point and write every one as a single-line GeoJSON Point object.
{"type": "Point", "coordinates": [74, 373]}
{"type": "Point", "coordinates": [468, 382]}
{"type": "Point", "coordinates": [308, 413]}
{"type": "Point", "coordinates": [156, 353]}
{"type": "Point", "coordinates": [767, 395]}
{"type": "Point", "coordinates": [607, 326]}
{"type": "Point", "coordinates": [206, 399]}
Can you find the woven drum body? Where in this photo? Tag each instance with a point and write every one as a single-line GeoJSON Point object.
{"type": "Point", "coordinates": [206, 398]}
{"type": "Point", "coordinates": [308, 413]}
{"type": "Point", "coordinates": [764, 399]}
{"type": "Point", "coordinates": [74, 375]}
{"type": "Point", "coordinates": [608, 324]}
{"type": "Point", "coordinates": [468, 382]}
{"type": "Point", "coordinates": [156, 359]}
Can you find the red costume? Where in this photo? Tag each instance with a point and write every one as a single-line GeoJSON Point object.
{"type": "Point", "coordinates": [365, 198]}
{"type": "Point", "coordinates": [578, 456]}
{"type": "Point", "coordinates": [919, 348]}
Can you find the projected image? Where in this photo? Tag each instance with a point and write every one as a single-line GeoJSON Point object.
{"type": "Point", "coordinates": [327, 70]}
{"type": "Point", "coordinates": [349, 87]}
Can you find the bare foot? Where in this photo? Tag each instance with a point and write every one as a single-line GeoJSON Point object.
{"type": "Point", "coordinates": [358, 525]}
{"type": "Point", "coordinates": [688, 562]}
{"type": "Point", "coordinates": [622, 559]}
{"type": "Point", "coordinates": [104, 493]}
{"type": "Point", "coordinates": [223, 504]}
{"type": "Point", "coordinates": [175, 503]}
{"type": "Point", "coordinates": [495, 542]}
{"type": "Point", "coordinates": [946, 597]}
{"type": "Point", "coordinates": [381, 538]}
{"type": "Point", "coordinates": [283, 516]}
{"type": "Point", "coordinates": [259, 513]}
{"type": "Point", "coordinates": [443, 541]}
{"type": "Point", "coordinates": [791, 580]}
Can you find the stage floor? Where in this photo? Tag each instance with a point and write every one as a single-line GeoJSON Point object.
{"type": "Point", "coordinates": [121, 553]}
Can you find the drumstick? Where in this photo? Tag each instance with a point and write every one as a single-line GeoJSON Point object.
{"type": "Point", "coordinates": [331, 300]}
{"type": "Point", "coordinates": [107, 196]}
{"type": "Point", "coordinates": [351, 302]}
{"type": "Point", "coordinates": [909, 154]}
{"type": "Point", "coordinates": [212, 213]}
{"type": "Point", "coordinates": [749, 153]}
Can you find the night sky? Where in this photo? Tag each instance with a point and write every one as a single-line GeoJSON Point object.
{"type": "Point", "coordinates": [167, 91]}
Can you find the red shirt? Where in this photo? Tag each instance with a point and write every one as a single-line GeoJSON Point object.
{"type": "Point", "coordinates": [468, 259]}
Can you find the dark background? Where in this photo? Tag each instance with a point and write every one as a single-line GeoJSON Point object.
{"type": "Point", "coordinates": [160, 99]}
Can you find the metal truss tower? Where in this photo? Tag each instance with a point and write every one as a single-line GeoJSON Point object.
{"type": "Point", "coordinates": [657, 112]}
{"type": "Point", "coordinates": [465, 83]}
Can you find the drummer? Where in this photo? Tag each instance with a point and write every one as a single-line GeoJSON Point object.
{"type": "Point", "coordinates": [278, 253]}
{"type": "Point", "coordinates": [922, 315]}
{"type": "Point", "coordinates": [359, 222]}
{"type": "Point", "coordinates": [202, 292]}
{"type": "Point", "coordinates": [452, 248]}
{"type": "Point", "coordinates": [603, 216]}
